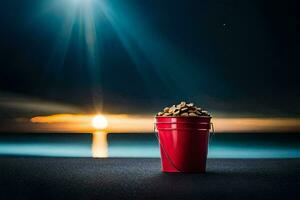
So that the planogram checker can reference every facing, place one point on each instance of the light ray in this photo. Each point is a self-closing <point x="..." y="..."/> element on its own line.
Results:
<point x="171" y="65"/>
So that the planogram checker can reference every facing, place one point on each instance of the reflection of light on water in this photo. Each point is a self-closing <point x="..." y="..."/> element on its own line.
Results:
<point x="99" y="144"/>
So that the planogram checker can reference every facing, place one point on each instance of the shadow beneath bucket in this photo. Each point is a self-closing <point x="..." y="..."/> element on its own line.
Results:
<point x="187" y="176"/>
<point x="191" y="174"/>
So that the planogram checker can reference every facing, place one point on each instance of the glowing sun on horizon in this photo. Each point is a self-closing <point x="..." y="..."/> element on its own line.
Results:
<point x="99" y="122"/>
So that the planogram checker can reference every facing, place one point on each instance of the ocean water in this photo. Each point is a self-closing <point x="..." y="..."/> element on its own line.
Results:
<point x="222" y="145"/>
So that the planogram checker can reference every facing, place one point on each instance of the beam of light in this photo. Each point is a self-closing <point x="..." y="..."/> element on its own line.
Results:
<point x="145" y="45"/>
<point x="88" y="25"/>
<point x="148" y="50"/>
<point x="135" y="54"/>
<point x="67" y="16"/>
<point x="46" y="15"/>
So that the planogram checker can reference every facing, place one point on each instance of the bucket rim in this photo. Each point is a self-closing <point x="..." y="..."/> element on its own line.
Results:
<point x="183" y="117"/>
<point x="182" y="122"/>
<point x="193" y="129"/>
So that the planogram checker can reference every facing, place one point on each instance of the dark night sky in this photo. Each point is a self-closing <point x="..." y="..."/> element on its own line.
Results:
<point x="233" y="57"/>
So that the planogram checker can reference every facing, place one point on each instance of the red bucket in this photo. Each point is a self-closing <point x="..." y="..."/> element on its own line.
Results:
<point x="183" y="143"/>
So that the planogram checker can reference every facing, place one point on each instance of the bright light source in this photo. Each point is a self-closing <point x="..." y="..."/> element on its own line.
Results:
<point x="99" y="122"/>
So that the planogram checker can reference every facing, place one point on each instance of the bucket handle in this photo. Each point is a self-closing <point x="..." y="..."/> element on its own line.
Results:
<point x="166" y="153"/>
<point x="213" y="130"/>
<point x="212" y="133"/>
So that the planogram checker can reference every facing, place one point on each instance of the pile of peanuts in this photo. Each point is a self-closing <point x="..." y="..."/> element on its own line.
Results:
<point x="184" y="110"/>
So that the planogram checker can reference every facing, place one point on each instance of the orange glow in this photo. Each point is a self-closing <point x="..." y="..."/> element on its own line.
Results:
<point x="257" y="125"/>
<point x="61" y="118"/>
<point x="85" y="123"/>
<point x="142" y="123"/>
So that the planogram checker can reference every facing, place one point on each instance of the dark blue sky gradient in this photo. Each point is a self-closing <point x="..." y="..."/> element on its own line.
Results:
<point x="232" y="57"/>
